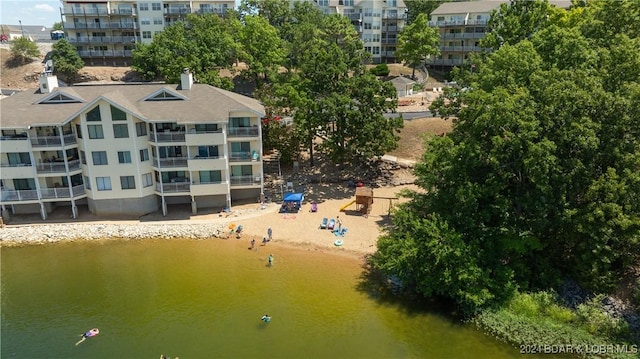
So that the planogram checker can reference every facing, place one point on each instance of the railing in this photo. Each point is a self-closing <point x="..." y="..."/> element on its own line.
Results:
<point x="393" y="15"/>
<point x="211" y="11"/>
<point x="103" y="39"/>
<point x="173" y="187"/>
<point x="84" y="11"/>
<point x="243" y="131"/>
<point x="198" y="157"/>
<point x="19" y="195"/>
<point x="460" y="48"/>
<point x="167" y="136"/>
<point x="389" y="41"/>
<point x="239" y="156"/>
<point x="100" y="25"/>
<point x="354" y="16"/>
<point x="48" y="141"/>
<point x="245" y="180"/>
<point x="390" y="29"/>
<point x="458" y="23"/>
<point x="18" y="137"/>
<point x="129" y="12"/>
<point x="15" y="164"/>
<point x="53" y="167"/>
<point x="177" y="10"/>
<point x="105" y="53"/>
<point x="170" y="162"/>
<point x="62" y="192"/>
<point x="464" y="35"/>
<point x="445" y="62"/>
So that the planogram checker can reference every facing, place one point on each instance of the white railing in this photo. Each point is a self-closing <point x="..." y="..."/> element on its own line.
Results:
<point x="45" y="193"/>
<point x="51" y="167"/>
<point x="48" y="141"/>
<point x="173" y="187"/>
<point x="167" y="136"/>
<point x="245" y="180"/>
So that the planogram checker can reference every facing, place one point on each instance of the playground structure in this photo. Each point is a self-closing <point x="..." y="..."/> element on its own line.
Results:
<point x="364" y="201"/>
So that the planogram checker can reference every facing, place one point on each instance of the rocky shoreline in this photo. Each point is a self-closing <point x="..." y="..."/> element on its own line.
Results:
<point x="52" y="233"/>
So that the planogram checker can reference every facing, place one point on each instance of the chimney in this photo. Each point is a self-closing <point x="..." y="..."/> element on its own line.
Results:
<point x="48" y="82"/>
<point x="186" y="79"/>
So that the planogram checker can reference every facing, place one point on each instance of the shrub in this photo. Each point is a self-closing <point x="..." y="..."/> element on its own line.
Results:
<point x="380" y="70"/>
<point x="23" y="50"/>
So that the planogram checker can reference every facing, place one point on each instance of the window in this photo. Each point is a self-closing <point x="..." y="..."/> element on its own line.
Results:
<point x="239" y="122"/>
<point x="367" y="26"/>
<point x="208" y="151"/>
<point x="94" y="114"/>
<point x="146" y="34"/>
<point x="144" y="6"/>
<point x="244" y="170"/>
<point x="124" y="157"/>
<point x="127" y="182"/>
<point x="24" y="184"/>
<point x="95" y="131"/>
<point x="155" y="6"/>
<point x="145" y="21"/>
<point x="348" y="3"/>
<point x="120" y="131"/>
<point x="157" y="21"/>
<point x="210" y="177"/>
<point x="206" y="127"/>
<point x="144" y="155"/>
<point x="117" y="114"/>
<point x="323" y="2"/>
<point x="99" y="158"/>
<point x="79" y="131"/>
<point x="141" y="129"/>
<point x="440" y="18"/>
<point x="19" y="158"/>
<point x="87" y="182"/>
<point x="103" y="183"/>
<point x="376" y="50"/>
<point x="98" y="34"/>
<point x="83" y="158"/>
<point x="147" y="180"/>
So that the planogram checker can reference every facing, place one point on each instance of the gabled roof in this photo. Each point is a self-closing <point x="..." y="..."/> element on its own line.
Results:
<point x="201" y="104"/>
<point x="401" y="80"/>
<point x="457" y="8"/>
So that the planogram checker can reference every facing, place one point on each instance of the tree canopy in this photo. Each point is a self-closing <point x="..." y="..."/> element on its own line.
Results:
<point x="66" y="60"/>
<point x="418" y="41"/>
<point x="23" y="50"/>
<point x="540" y="179"/>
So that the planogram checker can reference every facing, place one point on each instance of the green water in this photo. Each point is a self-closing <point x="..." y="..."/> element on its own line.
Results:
<point x="204" y="299"/>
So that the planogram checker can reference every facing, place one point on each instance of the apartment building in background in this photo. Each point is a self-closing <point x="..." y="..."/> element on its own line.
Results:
<point x="106" y="31"/>
<point x="128" y="149"/>
<point x="463" y="25"/>
<point x="378" y="23"/>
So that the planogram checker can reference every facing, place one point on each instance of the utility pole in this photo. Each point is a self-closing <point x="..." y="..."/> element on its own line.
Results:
<point x="21" y="29"/>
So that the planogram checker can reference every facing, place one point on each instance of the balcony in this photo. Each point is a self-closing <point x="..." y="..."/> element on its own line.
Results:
<point x="204" y="138"/>
<point x="103" y="40"/>
<point x="243" y="131"/>
<point x="123" y="12"/>
<point x="52" y="141"/>
<point x="58" y="167"/>
<point x="391" y="41"/>
<point x="216" y="11"/>
<point x="177" y="10"/>
<point x="463" y="35"/>
<point x="460" y="48"/>
<point x="209" y="188"/>
<point x="390" y="29"/>
<point x="170" y="162"/>
<point x="209" y="163"/>
<point x="394" y="16"/>
<point x="62" y="192"/>
<point x="253" y="180"/>
<point x="16" y="137"/>
<point x="178" y="136"/>
<point x="243" y="156"/>
<point x="173" y="187"/>
<point x="445" y="62"/>
<point x="104" y="53"/>
<point x="90" y="11"/>
<point x="354" y="16"/>
<point x="19" y="195"/>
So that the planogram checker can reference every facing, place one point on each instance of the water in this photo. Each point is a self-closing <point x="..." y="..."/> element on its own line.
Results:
<point x="204" y="299"/>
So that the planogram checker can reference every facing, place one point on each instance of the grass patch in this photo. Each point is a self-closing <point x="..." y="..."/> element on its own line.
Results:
<point x="536" y="319"/>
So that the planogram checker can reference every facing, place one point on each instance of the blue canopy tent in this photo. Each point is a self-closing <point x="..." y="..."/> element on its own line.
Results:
<point x="292" y="203"/>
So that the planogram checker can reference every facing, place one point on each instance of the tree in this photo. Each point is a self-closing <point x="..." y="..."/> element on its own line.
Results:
<point x="23" y="50"/>
<point x="539" y="180"/>
<point x="417" y="41"/>
<point x="516" y="21"/>
<point x="66" y="60"/>
<point x="57" y="26"/>
<point x="261" y="48"/>
<point x="203" y="44"/>
<point x="417" y="7"/>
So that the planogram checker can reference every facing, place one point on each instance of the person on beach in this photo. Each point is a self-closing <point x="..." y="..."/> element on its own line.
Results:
<point x="253" y="244"/>
<point x="339" y="224"/>
<point x="264" y="241"/>
<point x="270" y="260"/>
<point x="91" y="333"/>
<point x="269" y="233"/>
<point x="266" y="318"/>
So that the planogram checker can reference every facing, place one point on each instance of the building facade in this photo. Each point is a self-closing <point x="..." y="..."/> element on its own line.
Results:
<point x="128" y="149"/>
<point x="106" y="31"/>
<point x="377" y="21"/>
<point x="463" y="25"/>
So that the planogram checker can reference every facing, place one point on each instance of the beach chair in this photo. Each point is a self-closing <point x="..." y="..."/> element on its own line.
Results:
<point x="323" y="225"/>
<point x="314" y="207"/>
<point x="331" y="224"/>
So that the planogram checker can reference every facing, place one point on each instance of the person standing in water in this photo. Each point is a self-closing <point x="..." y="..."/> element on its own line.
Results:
<point x="266" y="318"/>
<point x="270" y="260"/>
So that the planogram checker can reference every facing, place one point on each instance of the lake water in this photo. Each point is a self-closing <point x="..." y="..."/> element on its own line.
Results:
<point x="204" y="299"/>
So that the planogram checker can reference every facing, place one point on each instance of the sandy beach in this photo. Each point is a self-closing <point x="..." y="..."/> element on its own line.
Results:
<point x="301" y="229"/>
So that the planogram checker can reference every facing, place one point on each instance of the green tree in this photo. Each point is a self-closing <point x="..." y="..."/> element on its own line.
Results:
<point x="418" y="41"/>
<point x="261" y="48"/>
<point x="539" y="180"/>
<point x="66" y="60"/>
<point x="203" y="44"/>
<point x="518" y="20"/>
<point x="57" y="26"/>
<point x="417" y="7"/>
<point x="23" y="50"/>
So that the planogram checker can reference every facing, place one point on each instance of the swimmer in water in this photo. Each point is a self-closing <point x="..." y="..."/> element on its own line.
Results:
<point x="91" y="333"/>
<point x="266" y="318"/>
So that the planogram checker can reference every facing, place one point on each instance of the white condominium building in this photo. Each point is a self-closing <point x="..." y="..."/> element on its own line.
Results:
<point x="128" y="149"/>
<point x="105" y="31"/>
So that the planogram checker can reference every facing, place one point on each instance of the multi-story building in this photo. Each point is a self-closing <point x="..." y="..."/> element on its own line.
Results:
<point x="128" y="149"/>
<point x="105" y="31"/>
<point x="377" y="21"/>
<point x="462" y="25"/>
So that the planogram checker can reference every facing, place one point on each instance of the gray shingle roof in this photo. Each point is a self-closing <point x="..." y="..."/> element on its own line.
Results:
<point x="483" y="6"/>
<point x="203" y="103"/>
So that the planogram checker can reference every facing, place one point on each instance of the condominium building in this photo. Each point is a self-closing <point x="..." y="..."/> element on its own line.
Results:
<point x="377" y="21"/>
<point x="463" y="25"/>
<point x="128" y="149"/>
<point x="106" y="31"/>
